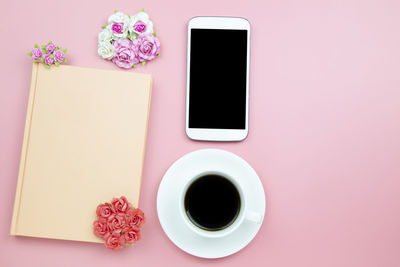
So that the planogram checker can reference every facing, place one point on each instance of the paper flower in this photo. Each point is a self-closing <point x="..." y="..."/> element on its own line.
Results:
<point x="104" y="210"/>
<point x="48" y="54"/>
<point x="135" y="218"/>
<point x="128" y="40"/>
<point x="36" y="53"/>
<point x="119" y="23"/>
<point x="118" y="223"/>
<point x="59" y="56"/>
<point x="50" y="47"/>
<point x="105" y="35"/>
<point x="140" y="23"/>
<point x="125" y="53"/>
<point x="48" y="59"/>
<point x="148" y="47"/>
<point x="106" y="50"/>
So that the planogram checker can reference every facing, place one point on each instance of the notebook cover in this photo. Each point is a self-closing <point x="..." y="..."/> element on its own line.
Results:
<point x="84" y="143"/>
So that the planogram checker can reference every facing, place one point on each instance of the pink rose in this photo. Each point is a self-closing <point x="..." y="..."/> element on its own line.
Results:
<point x="135" y="218"/>
<point x="120" y="205"/>
<point x="100" y="227"/>
<point x="112" y="223"/>
<point x="116" y="222"/>
<point x="50" y="48"/>
<point x="131" y="235"/>
<point x="48" y="60"/>
<point x="148" y="47"/>
<point x="125" y="53"/>
<point x="117" y="27"/>
<point x="114" y="240"/>
<point x="103" y="210"/>
<point x="139" y="27"/>
<point x="59" y="55"/>
<point x="37" y="53"/>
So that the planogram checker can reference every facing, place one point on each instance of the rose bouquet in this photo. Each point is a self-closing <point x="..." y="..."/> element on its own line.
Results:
<point x="48" y="54"/>
<point x="128" y="40"/>
<point x="118" y="223"/>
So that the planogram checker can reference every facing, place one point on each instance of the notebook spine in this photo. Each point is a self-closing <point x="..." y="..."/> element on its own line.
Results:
<point x="145" y="134"/>
<point x="24" y="151"/>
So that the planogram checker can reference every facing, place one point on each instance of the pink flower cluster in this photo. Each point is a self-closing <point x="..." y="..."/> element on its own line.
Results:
<point x="48" y="54"/>
<point x="128" y="53"/>
<point x="118" y="223"/>
<point x="128" y="40"/>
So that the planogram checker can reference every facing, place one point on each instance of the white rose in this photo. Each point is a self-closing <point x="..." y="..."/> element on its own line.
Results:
<point x="105" y="35"/>
<point x="106" y="50"/>
<point x="140" y="23"/>
<point x="119" y="17"/>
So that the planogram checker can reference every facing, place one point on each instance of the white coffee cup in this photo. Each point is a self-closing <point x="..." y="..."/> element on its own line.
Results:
<point x="244" y="213"/>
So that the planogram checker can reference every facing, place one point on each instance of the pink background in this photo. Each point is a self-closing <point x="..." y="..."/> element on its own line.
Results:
<point x="324" y="126"/>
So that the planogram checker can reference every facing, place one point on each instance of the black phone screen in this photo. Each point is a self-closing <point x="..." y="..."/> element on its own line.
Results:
<point x="217" y="80"/>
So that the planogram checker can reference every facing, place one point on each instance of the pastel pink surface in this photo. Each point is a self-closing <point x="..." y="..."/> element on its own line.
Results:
<point x="324" y="126"/>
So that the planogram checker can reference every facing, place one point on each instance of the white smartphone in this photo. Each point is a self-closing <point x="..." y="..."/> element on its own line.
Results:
<point x="217" y="87"/>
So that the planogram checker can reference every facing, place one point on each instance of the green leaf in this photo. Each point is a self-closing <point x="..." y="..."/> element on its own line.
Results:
<point x="50" y="42"/>
<point x="57" y="63"/>
<point x="142" y="9"/>
<point x="143" y="63"/>
<point x="64" y="50"/>
<point x="154" y="34"/>
<point x="30" y="54"/>
<point x="64" y="60"/>
<point x="133" y="66"/>
<point x="41" y="60"/>
<point x="115" y="11"/>
<point x="47" y="66"/>
<point x="158" y="55"/>
<point x="51" y="56"/>
<point x="43" y="46"/>
<point x="36" y="46"/>
<point x="103" y="27"/>
<point x="129" y="16"/>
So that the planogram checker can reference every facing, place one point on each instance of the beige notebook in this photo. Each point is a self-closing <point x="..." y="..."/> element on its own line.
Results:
<point x="84" y="143"/>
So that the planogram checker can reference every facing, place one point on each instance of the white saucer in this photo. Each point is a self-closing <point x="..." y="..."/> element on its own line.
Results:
<point x="175" y="179"/>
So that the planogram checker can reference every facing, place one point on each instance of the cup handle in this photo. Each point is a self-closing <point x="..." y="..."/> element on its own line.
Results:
<point x="254" y="217"/>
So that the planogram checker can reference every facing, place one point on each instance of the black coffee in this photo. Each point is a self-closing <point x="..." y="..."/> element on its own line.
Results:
<point x="212" y="202"/>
